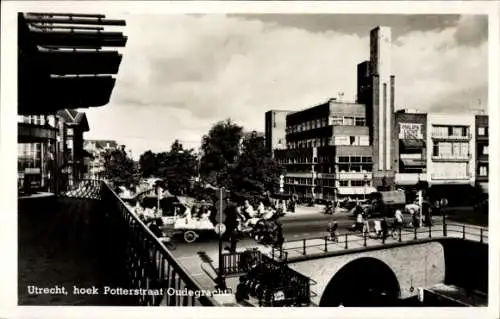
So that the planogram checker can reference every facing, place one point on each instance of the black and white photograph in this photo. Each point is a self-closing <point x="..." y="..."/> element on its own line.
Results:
<point x="252" y="159"/>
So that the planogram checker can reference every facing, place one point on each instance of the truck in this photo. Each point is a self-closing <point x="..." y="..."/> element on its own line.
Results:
<point x="384" y="203"/>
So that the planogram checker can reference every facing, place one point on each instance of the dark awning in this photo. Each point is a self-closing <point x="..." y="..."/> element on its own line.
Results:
<point x="412" y="143"/>
<point x="413" y="162"/>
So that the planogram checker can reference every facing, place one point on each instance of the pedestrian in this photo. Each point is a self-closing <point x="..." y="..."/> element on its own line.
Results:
<point x="385" y="228"/>
<point x="231" y="223"/>
<point x="398" y="219"/>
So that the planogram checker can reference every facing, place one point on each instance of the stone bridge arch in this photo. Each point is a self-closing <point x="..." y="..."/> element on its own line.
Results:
<point x="362" y="282"/>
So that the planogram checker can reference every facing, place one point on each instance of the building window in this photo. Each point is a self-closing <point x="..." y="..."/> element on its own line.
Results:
<point x="481" y="131"/>
<point x="349" y="121"/>
<point x="343" y="183"/>
<point x="357" y="183"/>
<point x="360" y="121"/>
<point x="343" y="159"/>
<point x="336" y="120"/>
<point x="485" y="150"/>
<point x="435" y="149"/>
<point x="483" y="170"/>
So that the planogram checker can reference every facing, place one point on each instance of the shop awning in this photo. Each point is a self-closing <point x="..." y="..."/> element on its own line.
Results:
<point x="409" y="162"/>
<point x="412" y="144"/>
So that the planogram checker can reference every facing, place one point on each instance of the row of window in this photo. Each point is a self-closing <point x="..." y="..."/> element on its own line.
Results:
<point x="362" y="140"/>
<point x="450" y="149"/>
<point x="450" y="131"/>
<point x="322" y="122"/>
<point x="325" y="159"/>
<point x="328" y="182"/>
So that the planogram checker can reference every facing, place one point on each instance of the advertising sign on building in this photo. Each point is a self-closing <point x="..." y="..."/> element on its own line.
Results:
<point x="410" y="131"/>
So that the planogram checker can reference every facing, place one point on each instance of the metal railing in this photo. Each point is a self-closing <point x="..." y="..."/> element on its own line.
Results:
<point x="149" y="264"/>
<point x="352" y="240"/>
<point x="81" y="188"/>
<point x="267" y="277"/>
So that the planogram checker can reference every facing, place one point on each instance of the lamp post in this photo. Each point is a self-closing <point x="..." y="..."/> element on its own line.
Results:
<point x="221" y="283"/>
<point x="365" y="178"/>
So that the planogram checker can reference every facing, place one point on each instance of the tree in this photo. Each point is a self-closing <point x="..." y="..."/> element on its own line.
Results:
<point x="177" y="167"/>
<point x="220" y="150"/>
<point x="147" y="163"/>
<point x="255" y="171"/>
<point x="120" y="169"/>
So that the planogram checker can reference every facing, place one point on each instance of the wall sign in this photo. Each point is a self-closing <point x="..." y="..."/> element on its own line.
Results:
<point x="410" y="131"/>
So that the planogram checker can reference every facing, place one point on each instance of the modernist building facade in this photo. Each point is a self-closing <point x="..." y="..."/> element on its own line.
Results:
<point x="328" y="153"/>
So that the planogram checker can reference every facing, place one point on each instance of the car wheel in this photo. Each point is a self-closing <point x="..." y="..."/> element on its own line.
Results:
<point x="190" y="236"/>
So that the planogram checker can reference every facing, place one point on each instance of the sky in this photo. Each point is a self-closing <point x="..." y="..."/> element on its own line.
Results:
<point x="182" y="73"/>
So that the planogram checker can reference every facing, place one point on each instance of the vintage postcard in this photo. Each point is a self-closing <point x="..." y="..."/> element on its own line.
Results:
<point x="323" y="156"/>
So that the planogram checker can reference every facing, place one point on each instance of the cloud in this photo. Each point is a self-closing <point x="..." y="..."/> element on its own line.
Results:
<point x="181" y="73"/>
<point x="471" y="30"/>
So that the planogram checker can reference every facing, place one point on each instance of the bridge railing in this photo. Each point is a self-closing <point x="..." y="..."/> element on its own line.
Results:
<point x="352" y="240"/>
<point x="149" y="264"/>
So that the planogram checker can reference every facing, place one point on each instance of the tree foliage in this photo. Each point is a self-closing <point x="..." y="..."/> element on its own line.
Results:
<point x="147" y="162"/>
<point x="220" y="149"/>
<point x="255" y="170"/>
<point x="119" y="168"/>
<point x="177" y="167"/>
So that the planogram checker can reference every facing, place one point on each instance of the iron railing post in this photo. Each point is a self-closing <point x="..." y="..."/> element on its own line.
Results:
<point x="364" y="239"/>
<point x="400" y="231"/>
<point x="345" y="238"/>
<point x="481" y="235"/>
<point x="326" y="244"/>
<point x="304" y="246"/>
<point x="463" y="231"/>
<point x="430" y="230"/>
<point x="445" y="230"/>
<point x="415" y="233"/>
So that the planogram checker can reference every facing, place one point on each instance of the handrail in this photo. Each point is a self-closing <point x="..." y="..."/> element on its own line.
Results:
<point x="346" y="240"/>
<point x="150" y="247"/>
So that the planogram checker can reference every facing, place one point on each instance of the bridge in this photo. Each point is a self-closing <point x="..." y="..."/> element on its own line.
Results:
<point x="87" y="235"/>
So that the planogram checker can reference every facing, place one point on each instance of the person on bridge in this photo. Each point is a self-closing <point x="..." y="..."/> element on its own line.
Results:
<point x="398" y="219"/>
<point x="231" y="223"/>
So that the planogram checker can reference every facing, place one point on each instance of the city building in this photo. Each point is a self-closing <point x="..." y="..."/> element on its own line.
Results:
<point x="339" y="150"/>
<point x="50" y="145"/>
<point x="275" y="124"/>
<point x="410" y="144"/>
<point x="65" y="61"/>
<point x="97" y="149"/>
<point x="328" y="154"/>
<point x="482" y="144"/>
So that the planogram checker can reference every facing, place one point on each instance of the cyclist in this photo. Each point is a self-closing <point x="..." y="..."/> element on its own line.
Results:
<point x="332" y="230"/>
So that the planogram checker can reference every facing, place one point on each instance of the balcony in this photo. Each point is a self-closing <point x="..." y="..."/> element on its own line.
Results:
<point x="451" y="158"/>
<point x="355" y="175"/>
<point x="409" y="178"/>
<point x="299" y="174"/>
